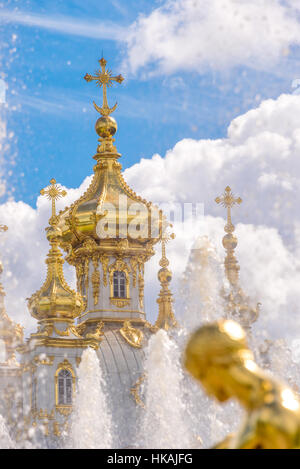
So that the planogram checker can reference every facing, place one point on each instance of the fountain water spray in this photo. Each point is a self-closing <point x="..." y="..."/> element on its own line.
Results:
<point x="5" y="440"/>
<point x="201" y="285"/>
<point x="163" y="423"/>
<point x="91" y="426"/>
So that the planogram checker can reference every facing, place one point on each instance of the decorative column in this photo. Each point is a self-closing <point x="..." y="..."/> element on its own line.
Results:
<point x="166" y="318"/>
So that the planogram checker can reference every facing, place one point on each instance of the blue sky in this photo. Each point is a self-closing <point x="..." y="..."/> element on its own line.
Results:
<point x="49" y="105"/>
<point x="190" y="68"/>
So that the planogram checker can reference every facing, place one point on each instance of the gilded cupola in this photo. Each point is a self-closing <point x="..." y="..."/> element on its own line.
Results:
<point x="55" y="299"/>
<point x="109" y="215"/>
<point x="109" y="233"/>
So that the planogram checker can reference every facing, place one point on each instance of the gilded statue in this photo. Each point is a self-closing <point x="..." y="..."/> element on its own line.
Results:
<point x="218" y="356"/>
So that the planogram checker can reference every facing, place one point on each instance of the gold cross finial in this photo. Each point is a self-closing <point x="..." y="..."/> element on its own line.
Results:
<point x="3" y="228"/>
<point x="228" y="200"/>
<point x="104" y="78"/>
<point x="53" y="193"/>
<point x="166" y="236"/>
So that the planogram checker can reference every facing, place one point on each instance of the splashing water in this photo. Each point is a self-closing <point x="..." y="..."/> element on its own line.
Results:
<point x="202" y="280"/>
<point x="163" y="424"/>
<point x="5" y="440"/>
<point x="91" y="426"/>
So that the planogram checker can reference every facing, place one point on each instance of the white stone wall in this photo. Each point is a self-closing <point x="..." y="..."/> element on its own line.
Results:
<point x="46" y="387"/>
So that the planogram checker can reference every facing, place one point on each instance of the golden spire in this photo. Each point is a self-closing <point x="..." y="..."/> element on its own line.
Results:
<point x="229" y="241"/>
<point x="237" y="303"/>
<point x="104" y="78"/>
<point x="166" y="318"/>
<point x="55" y="299"/>
<point x="106" y="126"/>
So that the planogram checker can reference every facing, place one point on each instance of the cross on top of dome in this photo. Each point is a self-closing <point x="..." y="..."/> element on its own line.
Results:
<point x="104" y="78"/>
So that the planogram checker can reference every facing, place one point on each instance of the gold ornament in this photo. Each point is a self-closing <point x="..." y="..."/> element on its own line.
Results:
<point x="104" y="261"/>
<point x="43" y="360"/>
<point x="133" y="264"/>
<point x="96" y="285"/>
<point x="135" y="391"/>
<point x="229" y="241"/>
<point x="166" y="318"/>
<point x="218" y="356"/>
<point x="53" y="193"/>
<point x="105" y="79"/>
<point x="120" y="302"/>
<point x="133" y="337"/>
<point x="55" y="299"/>
<point x="98" y="332"/>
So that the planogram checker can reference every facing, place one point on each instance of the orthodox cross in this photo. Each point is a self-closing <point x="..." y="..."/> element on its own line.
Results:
<point x="104" y="78"/>
<point x="53" y="193"/>
<point x="228" y="200"/>
<point x="166" y="236"/>
<point x="3" y="228"/>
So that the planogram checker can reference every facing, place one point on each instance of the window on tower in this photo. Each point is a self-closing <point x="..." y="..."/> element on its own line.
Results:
<point x="119" y="283"/>
<point x="65" y="382"/>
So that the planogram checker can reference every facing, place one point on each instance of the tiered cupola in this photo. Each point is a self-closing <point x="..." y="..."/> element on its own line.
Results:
<point x="55" y="305"/>
<point x="110" y="232"/>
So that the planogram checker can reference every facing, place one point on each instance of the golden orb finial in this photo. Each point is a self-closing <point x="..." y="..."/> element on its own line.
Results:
<point x="106" y="126"/>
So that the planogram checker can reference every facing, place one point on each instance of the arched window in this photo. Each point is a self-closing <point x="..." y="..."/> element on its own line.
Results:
<point x="119" y="284"/>
<point x="65" y="383"/>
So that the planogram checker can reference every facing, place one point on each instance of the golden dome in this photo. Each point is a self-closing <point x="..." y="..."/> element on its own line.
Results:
<point x="109" y="214"/>
<point x="110" y="211"/>
<point x="55" y="299"/>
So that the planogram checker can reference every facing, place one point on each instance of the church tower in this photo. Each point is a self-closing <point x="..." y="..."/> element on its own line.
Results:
<point x="110" y="231"/>
<point x="51" y="355"/>
<point x="108" y="235"/>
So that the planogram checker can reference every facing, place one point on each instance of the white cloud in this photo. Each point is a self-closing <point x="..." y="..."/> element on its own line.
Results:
<point x="23" y="251"/>
<point x="213" y="34"/>
<point x="259" y="159"/>
<point x="260" y="152"/>
<point x="66" y="25"/>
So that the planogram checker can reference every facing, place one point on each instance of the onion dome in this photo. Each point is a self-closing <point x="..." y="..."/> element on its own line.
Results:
<point x="109" y="210"/>
<point x="55" y="299"/>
